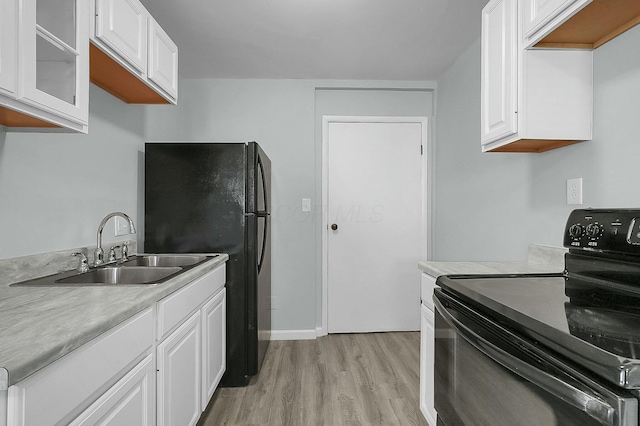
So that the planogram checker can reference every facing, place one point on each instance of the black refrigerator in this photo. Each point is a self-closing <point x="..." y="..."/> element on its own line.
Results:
<point x="215" y="197"/>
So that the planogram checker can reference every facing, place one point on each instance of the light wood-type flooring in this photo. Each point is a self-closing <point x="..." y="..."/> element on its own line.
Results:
<point x="340" y="379"/>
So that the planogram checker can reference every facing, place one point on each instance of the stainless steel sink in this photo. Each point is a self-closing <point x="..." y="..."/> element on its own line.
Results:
<point x="144" y="269"/>
<point x="162" y="260"/>
<point x="120" y="275"/>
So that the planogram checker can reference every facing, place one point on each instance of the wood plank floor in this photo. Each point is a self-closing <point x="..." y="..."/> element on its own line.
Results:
<point x="340" y="379"/>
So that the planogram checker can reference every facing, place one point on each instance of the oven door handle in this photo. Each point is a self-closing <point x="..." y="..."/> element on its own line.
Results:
<point x="593" y="405"/>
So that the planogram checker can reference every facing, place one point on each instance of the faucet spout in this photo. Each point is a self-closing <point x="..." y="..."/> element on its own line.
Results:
<point x="98" y="258"/>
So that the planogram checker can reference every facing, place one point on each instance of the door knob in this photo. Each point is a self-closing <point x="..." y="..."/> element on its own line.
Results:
<point x="334" y="227"/>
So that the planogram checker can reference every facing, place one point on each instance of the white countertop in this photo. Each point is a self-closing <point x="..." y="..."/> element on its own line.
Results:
<point x="541" y="259"/>
<point x="39" y="325"/>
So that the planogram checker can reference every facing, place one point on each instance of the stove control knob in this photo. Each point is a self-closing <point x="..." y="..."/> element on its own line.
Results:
<point x="593" y="230"/>
<point x="575" y="231"/>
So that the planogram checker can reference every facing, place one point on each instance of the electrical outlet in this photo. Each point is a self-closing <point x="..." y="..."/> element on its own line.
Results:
<point x="122" y="226"/>
<point x="574" y="191"/>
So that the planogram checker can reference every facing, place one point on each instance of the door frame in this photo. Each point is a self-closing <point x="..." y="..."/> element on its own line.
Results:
<point x="425" y="194"/>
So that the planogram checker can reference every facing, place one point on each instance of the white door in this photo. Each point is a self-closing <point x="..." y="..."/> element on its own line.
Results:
<point x="374" y="202"/>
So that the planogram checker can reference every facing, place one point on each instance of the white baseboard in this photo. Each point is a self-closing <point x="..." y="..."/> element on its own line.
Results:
<point x="293" y="334"/>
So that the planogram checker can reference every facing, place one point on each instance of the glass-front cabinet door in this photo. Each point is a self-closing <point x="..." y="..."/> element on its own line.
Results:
<point x="8" y="49"/>
<point x="54" y="60"/>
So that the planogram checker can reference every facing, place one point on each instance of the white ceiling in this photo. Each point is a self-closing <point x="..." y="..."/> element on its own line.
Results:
<point x="318" y="39"/>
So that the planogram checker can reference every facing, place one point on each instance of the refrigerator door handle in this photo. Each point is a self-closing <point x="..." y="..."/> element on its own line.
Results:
<point x="264" y="185"/>
<point x="264" y="239"/>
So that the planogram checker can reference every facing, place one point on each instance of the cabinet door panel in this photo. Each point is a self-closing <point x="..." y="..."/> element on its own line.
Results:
<point x="499" y="71"/>
<point x="122" y="25"/>
<point x="54" y="57"/>
<point x="427" y="335"/>
<point x="179" y="375"/>
<point x="163" y="60"/>
<point x="128" y="402"/>
<point x="8" y="46"/>
<point x="213" y="345"/>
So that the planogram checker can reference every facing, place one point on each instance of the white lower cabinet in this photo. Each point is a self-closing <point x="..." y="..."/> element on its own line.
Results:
<point x="179" y="375"/>
<point x="214" y="348"/>
<point x="160" y="367"/>
<point x="427" y="390"/>
<point x="129" y="402"/>
<point x="191" y="350"/>
<point x="63" y="390"/>
<point x="427" y="346"/>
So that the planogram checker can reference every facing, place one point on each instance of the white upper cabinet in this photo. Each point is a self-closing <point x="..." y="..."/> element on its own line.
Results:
<point x="8" y="46"/>
<point x="131" y="56"/>
<point x="163" y="59"/>
<point x="539" y="17"/>
<point x="122" y="25"/>
<point x="53" y="57"/>
<point x="499" y="67"/>
<point x="44" y="64"/>
<point x="532" y="100"/>
<point x="583" y="24"/>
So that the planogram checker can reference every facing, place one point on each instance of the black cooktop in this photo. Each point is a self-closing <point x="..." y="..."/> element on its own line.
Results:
<point x="599" y="335"/>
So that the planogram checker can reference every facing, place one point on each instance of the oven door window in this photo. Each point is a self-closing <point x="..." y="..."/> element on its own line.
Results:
<point x="487" y="376"/>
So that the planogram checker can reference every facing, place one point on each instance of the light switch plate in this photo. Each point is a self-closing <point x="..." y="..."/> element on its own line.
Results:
<point x="122" y="226"/>
<point x="306" y="204"/>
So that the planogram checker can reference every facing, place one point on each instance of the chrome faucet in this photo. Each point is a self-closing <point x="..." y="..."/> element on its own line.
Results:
<point x="98" y="254"/>
<point x="84" y="263"/>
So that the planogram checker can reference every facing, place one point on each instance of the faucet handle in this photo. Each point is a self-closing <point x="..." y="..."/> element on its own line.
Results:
<point x="125" y="252"/>
<point x="112" y="253"/>
<point x="84" y="262"/>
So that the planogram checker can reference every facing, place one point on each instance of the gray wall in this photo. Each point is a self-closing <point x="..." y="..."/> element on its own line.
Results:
<point x="491" y="206"/>
<point x="284" y="116"/>
<point x="56" y="188"/>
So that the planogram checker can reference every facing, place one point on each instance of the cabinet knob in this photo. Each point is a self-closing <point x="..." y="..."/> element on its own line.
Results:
<point x="334" y="227"/>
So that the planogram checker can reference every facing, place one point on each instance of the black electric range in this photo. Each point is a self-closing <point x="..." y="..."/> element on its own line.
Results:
<point x="584" y="322"/>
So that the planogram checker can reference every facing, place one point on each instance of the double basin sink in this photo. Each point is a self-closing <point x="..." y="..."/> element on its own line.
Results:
<point x="148" y="269"/>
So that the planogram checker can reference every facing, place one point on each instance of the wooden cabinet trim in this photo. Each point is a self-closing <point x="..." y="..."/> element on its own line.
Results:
<point x="533" y="145"/>
<point x="11" y="118"/>
<point x="112" y="77"/>
<point x="594" y="25"/>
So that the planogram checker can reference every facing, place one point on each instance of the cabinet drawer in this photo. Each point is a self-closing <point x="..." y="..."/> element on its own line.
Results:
<point x="61" y="391"/>
<point x="173" y="309"/>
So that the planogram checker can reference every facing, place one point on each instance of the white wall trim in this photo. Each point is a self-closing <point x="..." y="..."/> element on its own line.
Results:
<point x="426" y="190"/>
<point x="293" y="334"/>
